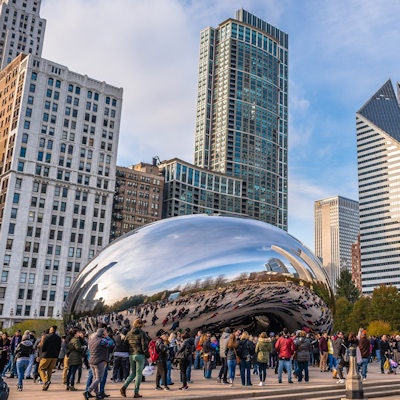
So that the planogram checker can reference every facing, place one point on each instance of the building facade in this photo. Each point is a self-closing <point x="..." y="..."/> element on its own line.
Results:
<point x="378" y="154"/>
<point x="336" y="228"/>
<point x="138" y="198"/>
<point x="59" y="137"/>
<point x="242" y="111"/>
<point x="194" y="190"/>
<point x="22" y="29"/>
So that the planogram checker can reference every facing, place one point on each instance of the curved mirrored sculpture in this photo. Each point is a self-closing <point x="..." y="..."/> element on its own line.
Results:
<point x="207" y="272"/>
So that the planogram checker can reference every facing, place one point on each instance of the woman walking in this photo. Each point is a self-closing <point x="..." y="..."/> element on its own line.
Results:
<point x="263" y="350"/>
<point x="231" y="357"/>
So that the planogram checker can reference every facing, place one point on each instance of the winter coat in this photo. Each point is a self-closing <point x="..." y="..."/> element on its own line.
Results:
<point x="51" y="346"/>
<point x="223" y="341"/>
<point x="137" y="341"/>
<point x="24" y="350"/>
<point x="263" y="350"/>
<point x="285" y="347"/>
<point x="75" y="351"/>
<point x="303" y="349"/>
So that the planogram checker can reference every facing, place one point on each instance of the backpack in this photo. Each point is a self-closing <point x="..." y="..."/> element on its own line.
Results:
<point x="153" y="350"/>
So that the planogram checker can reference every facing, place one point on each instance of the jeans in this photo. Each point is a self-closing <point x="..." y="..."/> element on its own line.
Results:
<point x="98" y="374"/>
<point x="169" y="368"/>
<point x="28" y="371"/>
<point x="21" y="365"/>
<point x="71" y="374"/>
<point x="90" y="380"/>
<point x="231" y="370"/>
<point x="245" y="372"/>
<point x="363" y="365"/>
<point x="302" y="366"/>
<point x="121" y="368"/>
<point x="137" y="364"/>
<point x="287" y="364"/>
<point x="198" y="360"/>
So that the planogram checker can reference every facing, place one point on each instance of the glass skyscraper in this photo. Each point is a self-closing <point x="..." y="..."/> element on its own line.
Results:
<point x="242" y="111"/>
<point x="378" y="154"/>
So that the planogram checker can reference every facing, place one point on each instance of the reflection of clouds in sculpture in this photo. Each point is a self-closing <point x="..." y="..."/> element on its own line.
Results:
<point x="175" y="252"/>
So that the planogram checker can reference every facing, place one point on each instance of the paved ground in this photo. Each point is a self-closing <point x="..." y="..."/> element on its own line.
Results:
<point x="201" y="388"/>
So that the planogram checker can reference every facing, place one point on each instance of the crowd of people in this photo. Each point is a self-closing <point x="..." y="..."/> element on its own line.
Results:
<point x="128" y="354"/>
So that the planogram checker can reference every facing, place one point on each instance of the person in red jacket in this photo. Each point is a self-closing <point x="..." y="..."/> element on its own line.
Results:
<point x="285" y="348"/>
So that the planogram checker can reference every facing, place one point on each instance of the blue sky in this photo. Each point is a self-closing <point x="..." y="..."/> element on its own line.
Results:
<point x="340" y="53"/>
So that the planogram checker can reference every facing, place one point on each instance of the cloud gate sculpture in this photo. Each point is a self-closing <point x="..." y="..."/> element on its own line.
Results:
<point x="207" y="272"/>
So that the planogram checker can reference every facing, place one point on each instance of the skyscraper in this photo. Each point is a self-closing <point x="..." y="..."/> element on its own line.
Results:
<point x="336" y="229"/>
<point x="22" y="29"/>
<point x="378" y="155"/>
<point x="58" y="144"/>
<point x="242" y="111"/>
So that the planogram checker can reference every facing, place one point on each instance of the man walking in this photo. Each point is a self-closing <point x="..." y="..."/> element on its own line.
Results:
<point x="50" y="351"/>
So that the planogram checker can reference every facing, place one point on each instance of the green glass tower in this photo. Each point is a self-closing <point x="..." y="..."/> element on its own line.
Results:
<point x="242" y="111"/>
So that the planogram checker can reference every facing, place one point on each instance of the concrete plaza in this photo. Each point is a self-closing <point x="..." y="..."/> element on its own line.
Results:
<point x="321" y="386"/>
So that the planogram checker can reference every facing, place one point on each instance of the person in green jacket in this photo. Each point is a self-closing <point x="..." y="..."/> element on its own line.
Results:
<point x="75" y="353"/>
<point x="263" y="349"/>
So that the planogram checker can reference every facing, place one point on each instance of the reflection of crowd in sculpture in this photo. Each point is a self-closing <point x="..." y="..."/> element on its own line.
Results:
<point x="214" y="309"/>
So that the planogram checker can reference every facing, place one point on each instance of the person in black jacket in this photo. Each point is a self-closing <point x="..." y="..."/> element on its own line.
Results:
<point x="385" y="353"/>
<point x="22" y="355"/>
<point x="50" y="351"/>
<point x="184" y="355"/>
<point x="162" y="350"/>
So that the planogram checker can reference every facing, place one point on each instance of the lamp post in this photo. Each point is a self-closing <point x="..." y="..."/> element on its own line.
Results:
<point x="354" y="386"/>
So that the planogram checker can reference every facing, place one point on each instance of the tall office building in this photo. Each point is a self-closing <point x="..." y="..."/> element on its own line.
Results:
<point x="242" y="111"/>
<point x="59" y="137"/>
<point x="378" y="154"/>
<point x="138" y="197"/>
<point x="336" y="229"/>
<point x="22" y="29"/>
<point x="194" y="190"/>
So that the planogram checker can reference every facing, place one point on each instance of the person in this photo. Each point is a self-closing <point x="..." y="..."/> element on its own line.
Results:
<point x="231" y="357"/>
<point x="162" y="350"/>
<point x="4" y="349"/>
<point x="336" y="344"/>
<point x="285" y="349"/>
<point x="208" y="353"/>
<point x="50" y="351"/>
<point x="32" y="338"/>
<point x="384" y="348"/>
<point x="365" y="351"/>
<point x="15" y="340"/>
<point x="198" y="359"/>
<point x="263" y="351"/>
<point x="98" y="344"/>
<point x="223" y="341"/>
<point x="171" y="356"/>
<point x="323" y="352"/>
<point x="75" y="353"/>
<point x="121" y="358"/>
<point x="303" y="349"/>
<point x="343" y="358"/>
<point x="184" y="355"/>
<point x="22" y="356"/>
<point x="138" y="350"/>
<point x="245" y="350"/>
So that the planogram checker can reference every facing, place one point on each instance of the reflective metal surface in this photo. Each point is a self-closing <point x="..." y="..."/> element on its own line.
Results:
<point x="225" y="270"/>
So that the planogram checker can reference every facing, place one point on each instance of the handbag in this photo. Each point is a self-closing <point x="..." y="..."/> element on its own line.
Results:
<point x="148" y="370"/>
<point x="386" y="365"/>
<point x="237" y="357"/>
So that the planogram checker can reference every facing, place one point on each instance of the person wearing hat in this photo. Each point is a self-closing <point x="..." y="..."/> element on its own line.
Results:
<point x="138" y="350"/>
<point x="223" y="341"/>
<point x="162" y="350"/>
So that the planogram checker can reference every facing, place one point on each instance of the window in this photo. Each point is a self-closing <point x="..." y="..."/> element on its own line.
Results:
<point x="4" y="276"/>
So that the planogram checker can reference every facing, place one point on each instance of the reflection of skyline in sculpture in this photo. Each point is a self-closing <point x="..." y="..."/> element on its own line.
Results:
<point x="172" y="253"/>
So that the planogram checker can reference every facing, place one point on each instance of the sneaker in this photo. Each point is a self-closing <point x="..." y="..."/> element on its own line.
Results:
<point x="364" y="379"/>
<point x="166" y="388"/>
<point x="158" y="388"/>
<point x="218" y="380"/>
<point x="19" y="388"/>
<point x="340" y="381"/>
<point x="260" y="384"/>
<point x="123" y="391"/>
<point x="184" y="388"/>
<point x="137" y="395"/>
